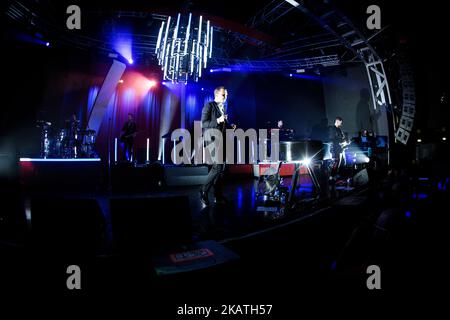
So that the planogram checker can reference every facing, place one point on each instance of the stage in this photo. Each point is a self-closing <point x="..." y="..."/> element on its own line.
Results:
<point x="244" y="213"/>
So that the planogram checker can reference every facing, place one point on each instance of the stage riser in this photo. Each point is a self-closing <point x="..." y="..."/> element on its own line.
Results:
<point x="61" y="176"/>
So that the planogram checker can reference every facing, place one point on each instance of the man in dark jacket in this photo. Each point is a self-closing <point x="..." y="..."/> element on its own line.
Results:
<point x="128" y="133"/>
<point x="214" y="116"/>
<point x="337" y="139"/>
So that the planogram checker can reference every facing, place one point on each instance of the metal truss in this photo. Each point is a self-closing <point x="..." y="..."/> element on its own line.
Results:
<point x="270" y="13"/>
<point x="274" y="65"/>
<point x="408" y="97"/>
<point x="336" y="23"/>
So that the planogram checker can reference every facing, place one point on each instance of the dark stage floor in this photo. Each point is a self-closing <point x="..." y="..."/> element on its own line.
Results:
<point x="238" y="217"/>
<point x="320" y="249"/>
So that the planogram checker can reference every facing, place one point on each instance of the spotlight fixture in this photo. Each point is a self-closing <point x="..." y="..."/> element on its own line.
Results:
<point x="306" y="162"/>
<point x="152" y="83"/>
<point x="183" y="47"/>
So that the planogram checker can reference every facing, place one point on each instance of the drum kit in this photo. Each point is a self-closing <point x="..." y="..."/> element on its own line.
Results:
<point x="68" y="142"/>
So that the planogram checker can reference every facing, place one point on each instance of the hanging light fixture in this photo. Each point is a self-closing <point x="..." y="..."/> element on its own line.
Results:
<point x="184" y="47"/>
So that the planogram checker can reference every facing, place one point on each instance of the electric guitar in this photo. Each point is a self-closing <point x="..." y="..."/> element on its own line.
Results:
<point x="345" y="144"/>
<point x="124" y="136"/>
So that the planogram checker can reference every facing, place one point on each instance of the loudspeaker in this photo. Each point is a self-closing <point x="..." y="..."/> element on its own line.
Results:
<point x="185" y="175"/>
<point x="150" y="224"/>
<point x="361" y="178"/>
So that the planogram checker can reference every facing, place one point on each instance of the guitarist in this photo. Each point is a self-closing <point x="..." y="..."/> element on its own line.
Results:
<point x="129" y="132"/>
<point x="338" y="143"/>
<point x="214" y="116"/>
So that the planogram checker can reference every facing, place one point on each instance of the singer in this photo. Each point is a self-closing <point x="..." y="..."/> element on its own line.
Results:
<point x="214" y="116"/>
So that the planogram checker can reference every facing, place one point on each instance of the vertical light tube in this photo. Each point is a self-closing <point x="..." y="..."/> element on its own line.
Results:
<point x="177" y="63"/>
<point x="174" y="145"/>
<point x="165" y="62"/>
<point x="147" y="158"/>
<point x="188" y="30"/>
<point x="164" y="44"/>
<point x="163" y="151"/>
<point x="205" y="45"/>
<point x="199" y="64"/>
<point x="210" y="42"/>
<point x="175" y="35"/>
<point x="207" y="34"/>
<point x="158" y="42"/>
<point x="192" y="57"/>
<point x="253" y="152"/>
<point x="115" y="150"/>
<point x="199" y="35"/>
<point x="239" y="151"/>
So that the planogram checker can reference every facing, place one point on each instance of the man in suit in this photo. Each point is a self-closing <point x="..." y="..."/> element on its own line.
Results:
<point x="214" y="116"/>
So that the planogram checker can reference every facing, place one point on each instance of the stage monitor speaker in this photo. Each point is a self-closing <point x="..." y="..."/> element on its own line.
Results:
<point x="185" y="175"/>
<point x="361" y="178"/>
<point x="152" y="224"/>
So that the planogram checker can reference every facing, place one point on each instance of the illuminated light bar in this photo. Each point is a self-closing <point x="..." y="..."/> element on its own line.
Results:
<point x="59" y="160"/>
<point x="158" y="42"/>
<point x="115" y="150"/>
<point x="147" y="158"/>
<point x="210" y="42"/>
<point x="188" y="33"/>
<point x="293" y="2"/>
